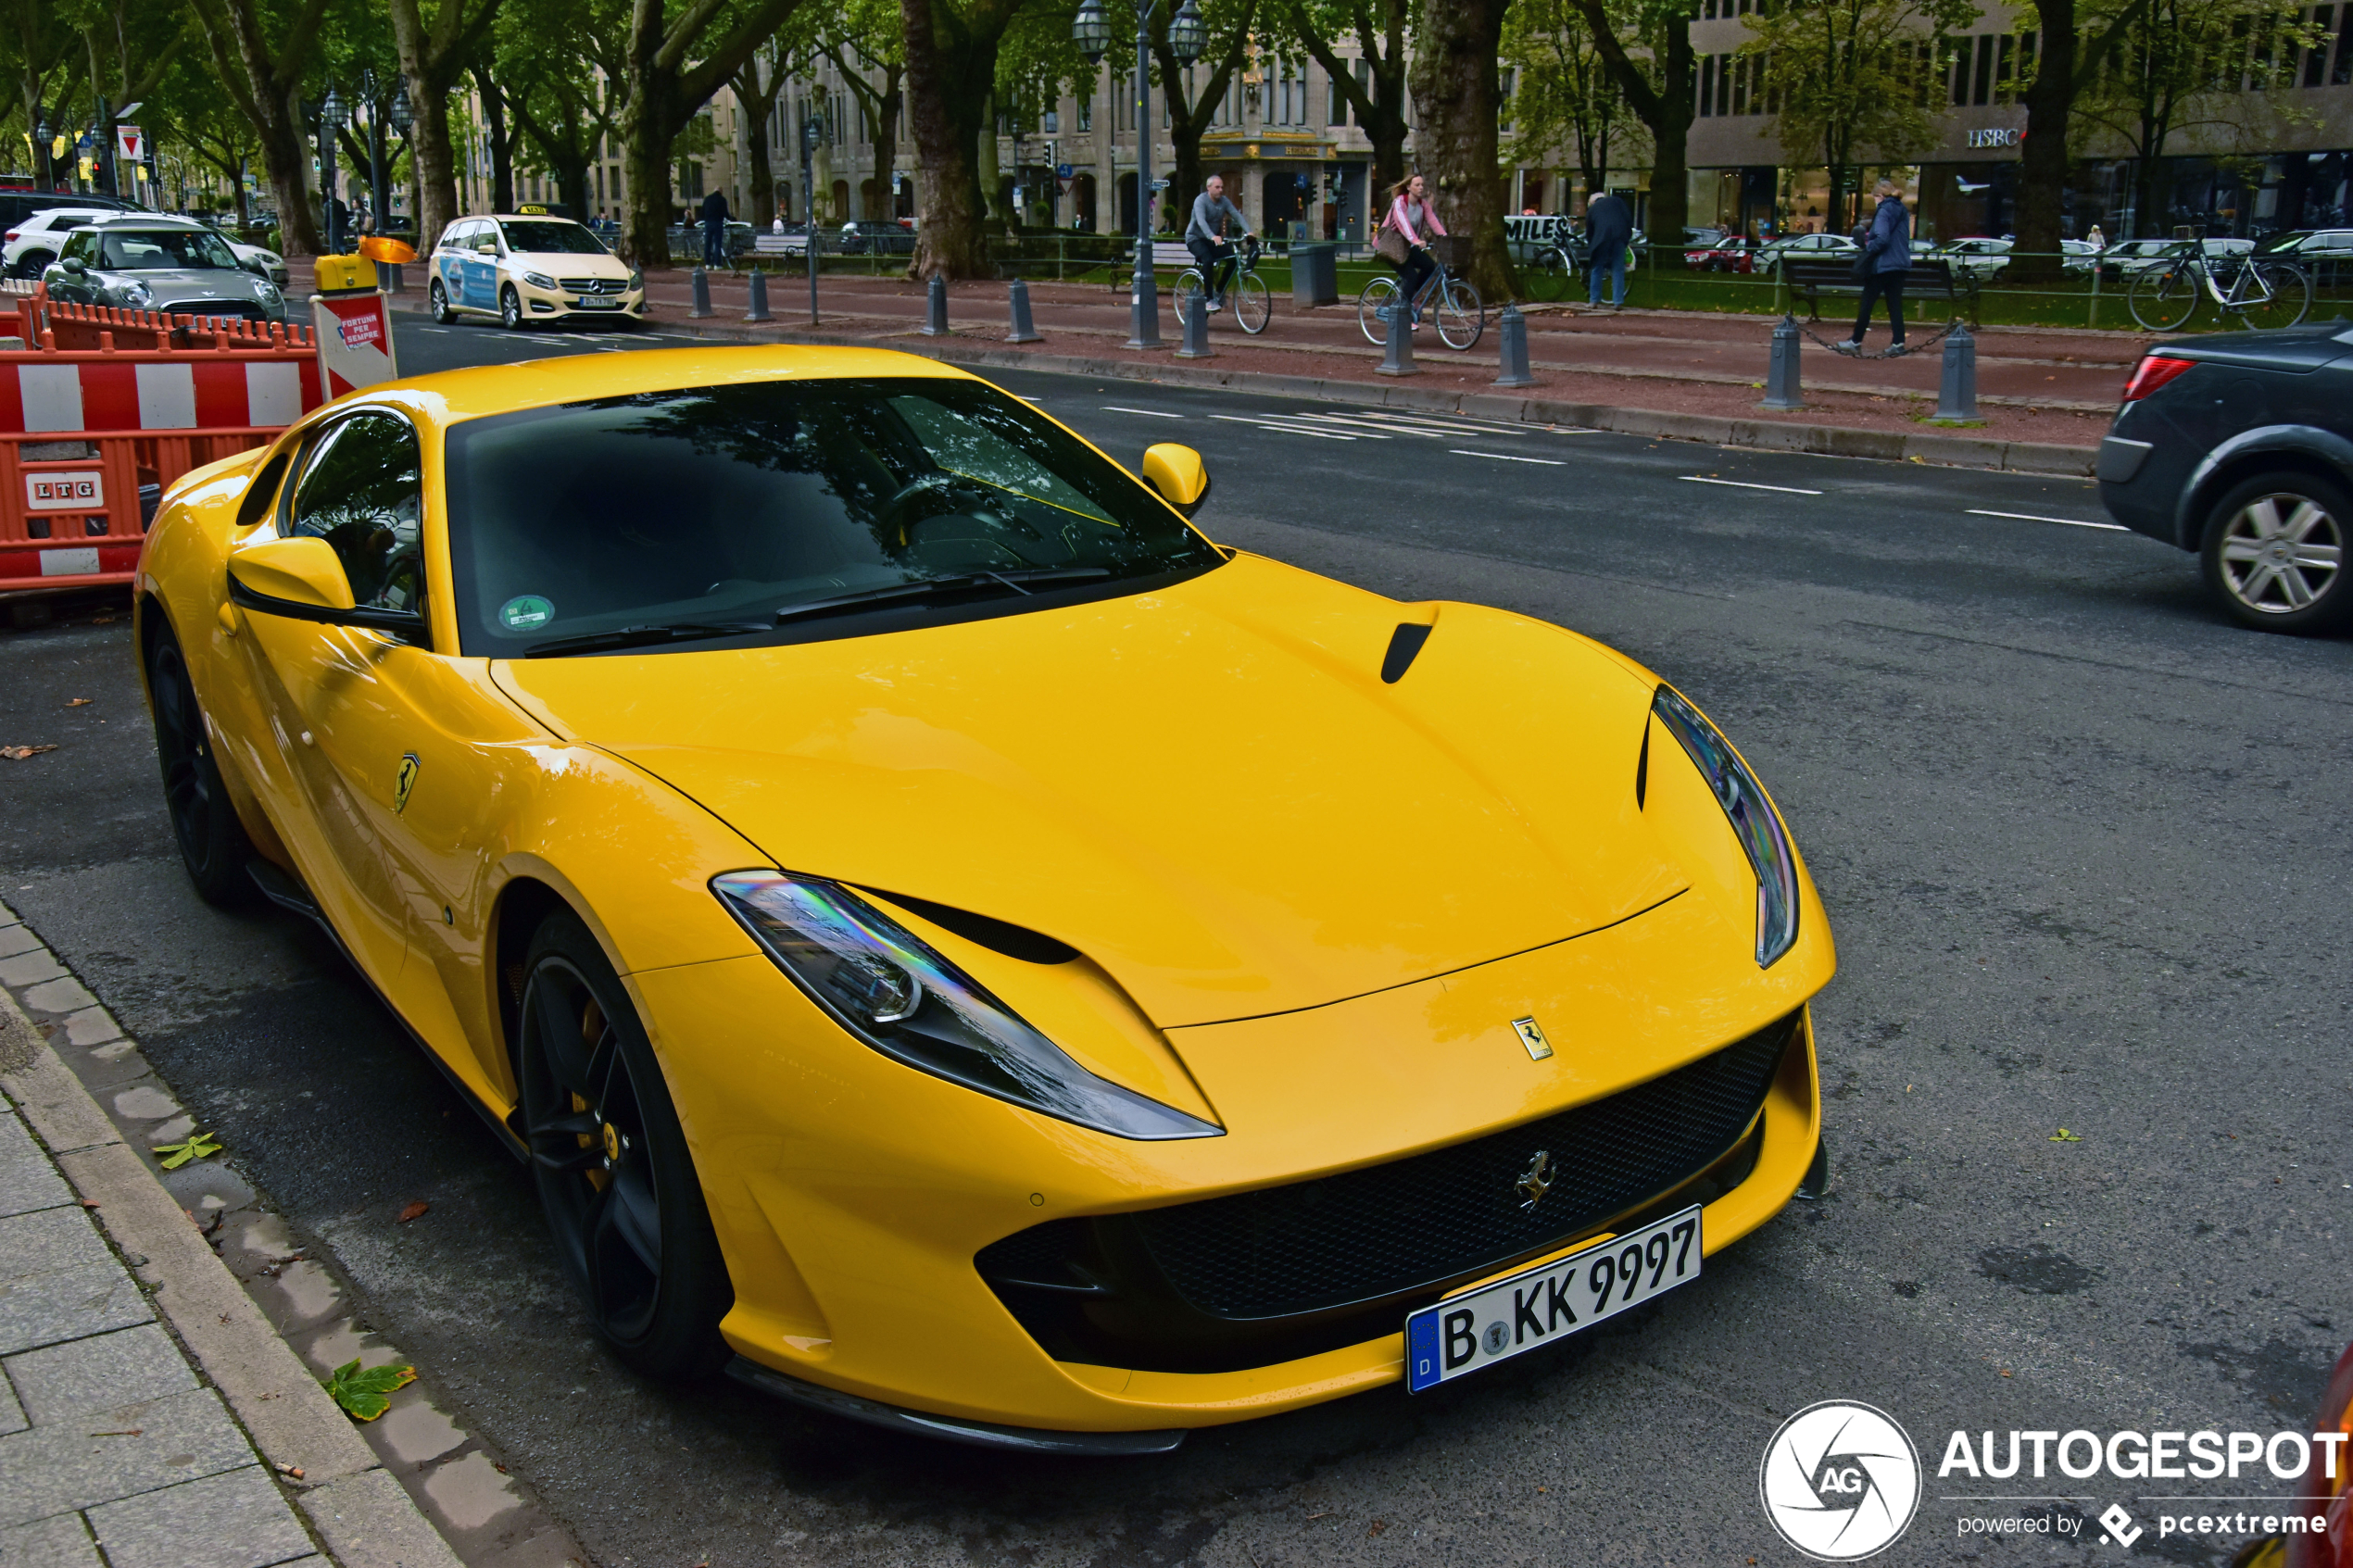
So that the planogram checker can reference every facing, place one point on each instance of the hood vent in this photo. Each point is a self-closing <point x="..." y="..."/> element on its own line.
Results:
<point x="1404" y="643"/>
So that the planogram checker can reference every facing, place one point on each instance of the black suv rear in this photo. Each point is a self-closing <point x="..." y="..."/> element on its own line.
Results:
<point x="2240" y="446"/>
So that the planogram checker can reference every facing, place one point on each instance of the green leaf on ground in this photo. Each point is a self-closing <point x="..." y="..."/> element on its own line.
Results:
<point x="201" y="1146"/>
<point x="367" y="1395"/>
<point x="2063" y="1136"/>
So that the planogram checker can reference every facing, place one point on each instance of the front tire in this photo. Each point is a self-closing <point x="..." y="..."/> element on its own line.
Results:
<point x="615" y="1176"/>
<point x="510" y="309"/>
<point x="1252" y="305"/>
<point x="437" y="302"/>
<point x="213" y="846"/>
<point x="2274" y="554"/>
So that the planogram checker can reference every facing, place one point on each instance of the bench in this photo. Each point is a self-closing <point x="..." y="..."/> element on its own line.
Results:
<point x="1922" y="280"/>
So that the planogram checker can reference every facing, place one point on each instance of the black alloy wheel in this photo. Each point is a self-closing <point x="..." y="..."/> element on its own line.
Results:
<point x="2274" y="553"/>
<point x="613" y="1170"/>
<point x="438" y="297"/>
<point x="213" y="845"/>
<point x="510" y="309"/>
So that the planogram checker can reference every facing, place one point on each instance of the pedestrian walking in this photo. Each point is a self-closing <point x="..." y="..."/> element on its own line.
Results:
<point x="1214" y="217"/>
<point x="1887" y="254"/>
<point x="714" y="230"/>
<point x="1609" y="231"/>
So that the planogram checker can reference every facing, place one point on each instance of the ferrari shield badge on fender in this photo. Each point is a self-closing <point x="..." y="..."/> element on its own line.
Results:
<point x="1532" y="1035"/>
<point x="403" y="782"/>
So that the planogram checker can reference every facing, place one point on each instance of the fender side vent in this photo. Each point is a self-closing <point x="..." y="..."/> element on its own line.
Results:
<point x="1643" y="766"/>
<point x="1404" y="645"/>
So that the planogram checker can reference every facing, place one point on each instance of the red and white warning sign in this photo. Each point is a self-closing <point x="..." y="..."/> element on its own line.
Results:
<point x="56" y="492"/>
<point x="130" y="141"/>
<point x="355" y="341"/>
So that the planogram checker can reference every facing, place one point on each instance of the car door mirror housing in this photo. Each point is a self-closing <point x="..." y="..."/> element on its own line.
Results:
<point x="1177" y="473"/>
<point x="301" y="579"/>
<point x="74" y="265"/>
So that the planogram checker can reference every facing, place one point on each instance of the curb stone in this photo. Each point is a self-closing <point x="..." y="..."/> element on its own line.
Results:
<point x="1836" y="440"/>
<point x="354" y="1495"/>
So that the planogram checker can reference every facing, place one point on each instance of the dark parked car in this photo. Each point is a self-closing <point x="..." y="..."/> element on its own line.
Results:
<point x="2240" y="446"/>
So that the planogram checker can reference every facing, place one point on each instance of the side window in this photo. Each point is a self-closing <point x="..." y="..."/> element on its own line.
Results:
<point x="77" y="248"/>
<point x="486" y="238"/>
<point x="362" y="494"/>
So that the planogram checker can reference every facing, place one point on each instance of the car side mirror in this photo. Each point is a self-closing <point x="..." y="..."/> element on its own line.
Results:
<point x="301" y="579"/>
<point x="74" y="265"/>
<point x="253" y="265"/>
<point x="1178" y="474"/>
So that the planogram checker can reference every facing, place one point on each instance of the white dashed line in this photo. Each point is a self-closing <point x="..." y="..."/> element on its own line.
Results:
<point x="1296" y="429"/>
<point x="1147" y="413"/>
<point x="2069" y="522"/>
<point x="1505" y="457"/>
<point x="1743" y="484"/>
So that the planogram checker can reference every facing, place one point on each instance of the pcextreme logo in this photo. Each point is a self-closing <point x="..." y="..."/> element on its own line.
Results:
<point x="1839" y="1481"/>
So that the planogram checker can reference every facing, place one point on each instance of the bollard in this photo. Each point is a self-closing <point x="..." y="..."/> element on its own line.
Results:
<point x="1399" y="360"/>
<point x="390" y="273"/>
<point x="759" y="296"/>
<point x="1513" y="367"/>
<point x="1196" y="345"/>
<point x="702" y="297"/>
<point x="1956" y="391"/>
<point x="935" y="309"/>
<point x="1023" y="330"/>
<point x="1782" y="389"/>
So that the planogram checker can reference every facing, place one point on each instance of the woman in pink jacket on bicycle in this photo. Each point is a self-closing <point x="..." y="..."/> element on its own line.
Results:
<point x="1410" y="213"/>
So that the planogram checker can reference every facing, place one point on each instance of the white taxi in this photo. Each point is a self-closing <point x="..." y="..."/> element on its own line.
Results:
<point x="526" y="267"/>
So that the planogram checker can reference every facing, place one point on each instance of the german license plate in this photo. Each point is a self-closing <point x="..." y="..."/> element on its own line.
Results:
<point x="1550" y="1301"/>
<point x="597" y="304"/>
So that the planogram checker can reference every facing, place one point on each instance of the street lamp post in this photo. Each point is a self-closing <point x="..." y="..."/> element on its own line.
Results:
<point x="331" y="119"/>
<point x="377" y="212"/>
<point x="43" y="157"/>
<point x="812" y="131"/>
<point x="402" y="117"/>
<point x="1186" y="34"/>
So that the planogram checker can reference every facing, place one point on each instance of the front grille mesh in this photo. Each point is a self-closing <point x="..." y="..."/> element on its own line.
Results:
<point x="1454" y="1211"/>
<point x="593" y="285"/>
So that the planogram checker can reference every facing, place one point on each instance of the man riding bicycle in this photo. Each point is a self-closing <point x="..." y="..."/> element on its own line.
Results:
<point x="1205" y="237"/>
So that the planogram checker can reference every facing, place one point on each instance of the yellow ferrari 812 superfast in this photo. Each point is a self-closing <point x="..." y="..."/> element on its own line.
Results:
<point x="955" y="946"/>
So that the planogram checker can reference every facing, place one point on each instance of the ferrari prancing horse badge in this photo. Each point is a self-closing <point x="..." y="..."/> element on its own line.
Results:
<point x="403" y="782"/>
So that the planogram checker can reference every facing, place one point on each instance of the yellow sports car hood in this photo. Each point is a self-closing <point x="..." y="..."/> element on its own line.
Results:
<point x="1209" y="789"/>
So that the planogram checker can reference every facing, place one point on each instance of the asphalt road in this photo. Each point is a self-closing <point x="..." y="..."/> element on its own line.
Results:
<point x="2084" y="849"/>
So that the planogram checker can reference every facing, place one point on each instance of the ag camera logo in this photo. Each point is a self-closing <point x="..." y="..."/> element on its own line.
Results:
<point x="1839" y="1481"/>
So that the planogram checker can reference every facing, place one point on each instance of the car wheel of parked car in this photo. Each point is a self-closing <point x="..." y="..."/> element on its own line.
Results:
<point x="613" y="1170"/>
<point x="2274" y="553"/>
<point x="33" y="263"/>
<point x="438" y="298"/>
<point x="510" y="309"/>
<point x="213" y="845"/>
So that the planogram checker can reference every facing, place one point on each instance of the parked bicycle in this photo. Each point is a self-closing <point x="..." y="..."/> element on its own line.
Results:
<point x="1246" y="293"/>
<point x="2263" y="294"/>
<point x="1460" y="314"/>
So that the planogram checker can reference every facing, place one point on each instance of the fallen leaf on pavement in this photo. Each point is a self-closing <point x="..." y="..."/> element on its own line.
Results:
<point x="367" y="1395"/>
<point x="18" y="753"/>
<point x="200" y="1146"/>
<point x="412" y="1212"/>
<point x="2063" y="1136"/>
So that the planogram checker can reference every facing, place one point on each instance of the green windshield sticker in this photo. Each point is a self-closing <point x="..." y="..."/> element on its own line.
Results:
<point x="525" y="612"/>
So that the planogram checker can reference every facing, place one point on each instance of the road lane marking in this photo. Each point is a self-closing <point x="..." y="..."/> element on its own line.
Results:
<point x="1272" y="424"/>
<point x="2031" y="517"/>
<point x="1147" y="413"/>
<point x="1505" y="457"/>
<point x="1743" y="484"/>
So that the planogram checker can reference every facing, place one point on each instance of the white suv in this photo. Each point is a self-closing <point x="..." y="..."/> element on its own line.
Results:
<point x="32" y="244"/>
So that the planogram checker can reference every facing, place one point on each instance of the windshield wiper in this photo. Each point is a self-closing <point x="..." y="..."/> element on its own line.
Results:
<point x="640" y="636"/>
<point x="936" y="587"/>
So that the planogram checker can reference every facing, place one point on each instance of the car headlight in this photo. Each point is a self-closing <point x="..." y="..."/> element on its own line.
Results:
<point x="637" y="282"/>
<point x="137" y="295"/>
<point x="268" y="291"/>
<point x="898" y="995"/>
<point x="539" y="280"/>
<point x="1755" y="823"/>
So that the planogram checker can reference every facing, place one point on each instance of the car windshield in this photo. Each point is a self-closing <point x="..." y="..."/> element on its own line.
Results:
<point x="748" y="504"/>
<point x="153" y="250"/>
<point x="551" y="235"/>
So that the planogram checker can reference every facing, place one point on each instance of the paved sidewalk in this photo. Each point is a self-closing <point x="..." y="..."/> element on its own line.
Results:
<point x="149" y="1417"/>
<point x="2046" y="385"/>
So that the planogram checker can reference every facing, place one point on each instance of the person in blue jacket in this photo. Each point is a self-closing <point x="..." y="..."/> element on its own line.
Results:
<point x="1887" y="254"/>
